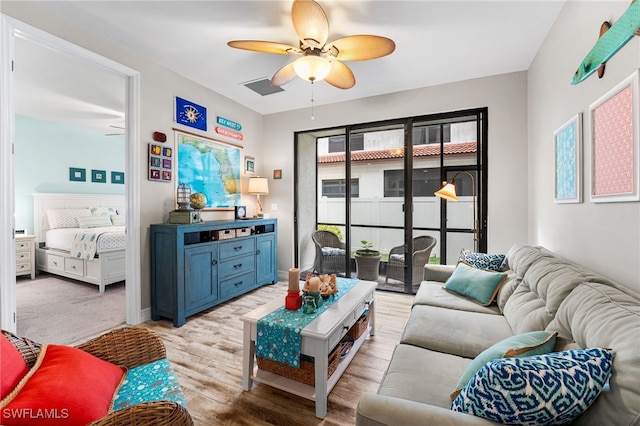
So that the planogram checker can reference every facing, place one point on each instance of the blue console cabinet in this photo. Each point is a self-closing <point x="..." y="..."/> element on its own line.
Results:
<point x="193" y="268"/>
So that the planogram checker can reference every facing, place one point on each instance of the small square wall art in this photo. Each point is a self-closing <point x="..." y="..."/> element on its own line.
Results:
<point x="160" y="163"/>
<point x="77" y="175"/>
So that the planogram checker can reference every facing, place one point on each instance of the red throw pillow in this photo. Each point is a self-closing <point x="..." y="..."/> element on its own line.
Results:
<point x="13" y="367"/>
<point x="67" y="386"/>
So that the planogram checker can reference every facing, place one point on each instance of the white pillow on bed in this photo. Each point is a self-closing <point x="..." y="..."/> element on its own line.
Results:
<point x="117" y="219"/>
<point x="107" y="211"/>
<point x="94" y="221"/>
<point x="66" y="218"/>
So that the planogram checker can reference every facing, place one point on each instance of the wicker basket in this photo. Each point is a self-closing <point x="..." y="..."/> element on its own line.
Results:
<point x="306" y="372"/>
<point x="360" y="326"/>
<point x="243" y="232"/>
<point x="225" y="234"/>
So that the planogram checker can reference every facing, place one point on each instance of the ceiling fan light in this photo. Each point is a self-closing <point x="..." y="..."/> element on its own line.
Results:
<point x="312" y="68"/>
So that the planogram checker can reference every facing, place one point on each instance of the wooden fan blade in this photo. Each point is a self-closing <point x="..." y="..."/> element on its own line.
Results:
<point x="264" y="46"/>
<point x="283" y="75"/>
<point x="310" y="21"/>
<point x="363" y="47"/>
<point x="340" y="76"/>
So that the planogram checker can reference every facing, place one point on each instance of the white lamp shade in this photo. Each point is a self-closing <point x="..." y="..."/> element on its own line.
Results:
<point x="448" y="192"/>
<point x="258" y="186"/>
<point x="312" y="68"/>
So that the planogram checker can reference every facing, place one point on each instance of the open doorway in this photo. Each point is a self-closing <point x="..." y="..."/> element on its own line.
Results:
<point x="15" y="202"/>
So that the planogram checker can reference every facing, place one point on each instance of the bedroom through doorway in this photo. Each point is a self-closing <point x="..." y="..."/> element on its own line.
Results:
<point x="69" y="114"/>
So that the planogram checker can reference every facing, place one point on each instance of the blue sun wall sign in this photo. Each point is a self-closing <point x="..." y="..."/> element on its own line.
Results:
<point x="191" y="114"/>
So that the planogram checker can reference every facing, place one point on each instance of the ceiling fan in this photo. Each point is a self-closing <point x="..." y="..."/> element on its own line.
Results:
<point x="118" y="133"/>
<point x="319" y="60"/>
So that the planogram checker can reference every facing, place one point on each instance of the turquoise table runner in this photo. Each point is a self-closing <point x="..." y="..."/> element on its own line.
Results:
<point x="278" y="333"/>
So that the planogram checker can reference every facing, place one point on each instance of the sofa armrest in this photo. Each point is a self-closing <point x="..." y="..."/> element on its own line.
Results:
<point x="379" y="410"/>
<point x="156" y="413"/>
<point x="440" y="273"/>
<point x="130" y="347"/>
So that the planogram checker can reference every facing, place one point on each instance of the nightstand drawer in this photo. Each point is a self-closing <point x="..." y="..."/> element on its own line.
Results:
<point x="23" y="246"/>
<point x="23" y="256"/>
<point x="74" y="266"/>
<point x="23" y="268"/>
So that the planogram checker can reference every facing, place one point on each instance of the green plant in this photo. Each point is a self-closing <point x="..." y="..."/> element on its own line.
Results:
<point x="367" y="249"/>
<point x="332" y="228"/>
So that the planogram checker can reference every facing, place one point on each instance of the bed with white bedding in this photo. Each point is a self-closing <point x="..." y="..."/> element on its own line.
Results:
<point x="81" y="236"/>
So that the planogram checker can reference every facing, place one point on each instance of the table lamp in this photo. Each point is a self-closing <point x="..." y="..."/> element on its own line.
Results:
<point x="258" y="186"/>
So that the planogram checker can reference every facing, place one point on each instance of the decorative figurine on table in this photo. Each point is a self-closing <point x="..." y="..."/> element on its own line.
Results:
<point x="320" y="287"/>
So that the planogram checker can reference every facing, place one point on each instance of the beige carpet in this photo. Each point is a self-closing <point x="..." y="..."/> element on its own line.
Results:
<point x="52" y="309"/>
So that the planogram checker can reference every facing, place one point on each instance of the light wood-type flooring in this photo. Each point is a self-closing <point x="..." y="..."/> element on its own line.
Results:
<point x="207" y="356"/>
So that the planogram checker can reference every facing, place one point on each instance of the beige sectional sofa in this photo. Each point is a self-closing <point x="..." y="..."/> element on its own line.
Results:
<point x="543" y="291"/>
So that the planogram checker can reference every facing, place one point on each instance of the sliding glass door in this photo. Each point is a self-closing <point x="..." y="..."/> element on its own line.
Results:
<point x="373" y="185"/>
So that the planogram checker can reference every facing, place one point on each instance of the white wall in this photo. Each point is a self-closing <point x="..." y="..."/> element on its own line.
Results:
<point x="605" y="236"/>
<point x="158" y="88"/>
<point x="504" y="95"/>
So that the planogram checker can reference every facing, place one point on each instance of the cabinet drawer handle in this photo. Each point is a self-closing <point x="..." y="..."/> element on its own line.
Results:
<point x="238" y="266"/>
<point x="257" y="251"/>
<point x="237" y="248"/>
<point x="238" y="283"/>
<point x="214" y="262"/>
<point x="55" y="263"/>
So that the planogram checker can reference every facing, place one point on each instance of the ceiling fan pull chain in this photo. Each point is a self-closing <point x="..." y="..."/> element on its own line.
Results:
<point x="312" y="116"/>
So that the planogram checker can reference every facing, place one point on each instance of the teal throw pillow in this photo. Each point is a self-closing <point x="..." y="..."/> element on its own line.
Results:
<point x="492" y="262"/>
<point x="539" y="390"/>
<point x="522" y="345"/>
<point x="476" y="284"/>
<point x="155" y="381"/>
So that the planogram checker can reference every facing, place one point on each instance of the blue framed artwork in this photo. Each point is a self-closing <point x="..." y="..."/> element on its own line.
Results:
<point x="77" y="175"/>
<point x="568" y="154"/>
<point x="117" y="177"/>
<point x="191" y="114"/>
<point x="99" y="176"/>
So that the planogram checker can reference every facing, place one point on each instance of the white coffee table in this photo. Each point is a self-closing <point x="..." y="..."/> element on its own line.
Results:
<point x="317" y="340"/>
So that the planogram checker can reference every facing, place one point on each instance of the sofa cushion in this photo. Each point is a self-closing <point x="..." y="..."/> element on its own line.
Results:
<point x="150" y="382"/>
<point x="422" y="375"/>
<point x="546" y="283"/>
<point x="607" y="316"/>
<point x="69" y="384"/>
<point x="477" y="284"/>
<point x="13" y="367"/>
<point x="460" y="333"/>
<point x="520" y="345"/>
<point x="333" y="251"/>
<point x="491" y="262"/>
<point x="431" y="293"/>
<point x="543" y="389"/>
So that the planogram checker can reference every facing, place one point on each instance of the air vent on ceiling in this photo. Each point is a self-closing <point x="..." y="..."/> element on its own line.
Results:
<point x="263" y="87"/>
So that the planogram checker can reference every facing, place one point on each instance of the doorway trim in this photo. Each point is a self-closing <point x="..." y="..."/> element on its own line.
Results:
<point x="10" y="29"/>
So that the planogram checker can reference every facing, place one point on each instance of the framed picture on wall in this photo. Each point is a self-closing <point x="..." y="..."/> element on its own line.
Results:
<point x="249" y="165"/>
<point x="614" y="144"/>
<point x="568" y="161"/>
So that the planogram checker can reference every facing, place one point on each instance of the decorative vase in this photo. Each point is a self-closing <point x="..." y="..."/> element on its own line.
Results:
<point x="293" y="301"/>
<point x="309" y="306"/>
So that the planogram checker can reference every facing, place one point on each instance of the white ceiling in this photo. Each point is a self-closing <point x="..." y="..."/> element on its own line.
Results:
<point x="436" y="42"/>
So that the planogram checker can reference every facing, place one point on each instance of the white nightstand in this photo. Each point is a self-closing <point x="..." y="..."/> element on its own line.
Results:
<point x="26" y="255"/>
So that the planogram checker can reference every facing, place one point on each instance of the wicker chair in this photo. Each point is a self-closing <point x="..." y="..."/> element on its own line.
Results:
<point x="422" y="247"/>
<point x="333" y="258"/>
<point x="130" y="347"/>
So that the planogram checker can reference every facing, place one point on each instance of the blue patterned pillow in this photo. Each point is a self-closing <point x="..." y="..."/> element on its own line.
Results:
<point x="150" y="382"/>
<point x="538" y="390"/>
<point x="491" y="262"/>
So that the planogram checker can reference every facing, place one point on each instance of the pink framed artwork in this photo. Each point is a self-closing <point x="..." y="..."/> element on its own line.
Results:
<point x="614" y="144"/>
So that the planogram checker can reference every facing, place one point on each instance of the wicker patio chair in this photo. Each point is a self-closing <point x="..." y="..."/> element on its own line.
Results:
<point x="422" y="247"/>
<point x="130" y="347"/>
<point x="331" y="254"/>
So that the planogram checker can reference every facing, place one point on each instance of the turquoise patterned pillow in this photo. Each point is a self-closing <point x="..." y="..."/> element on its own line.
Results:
<point x="150" y="382"/>
<point x="491" y="262"/>
<point x="538" y="390"/>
